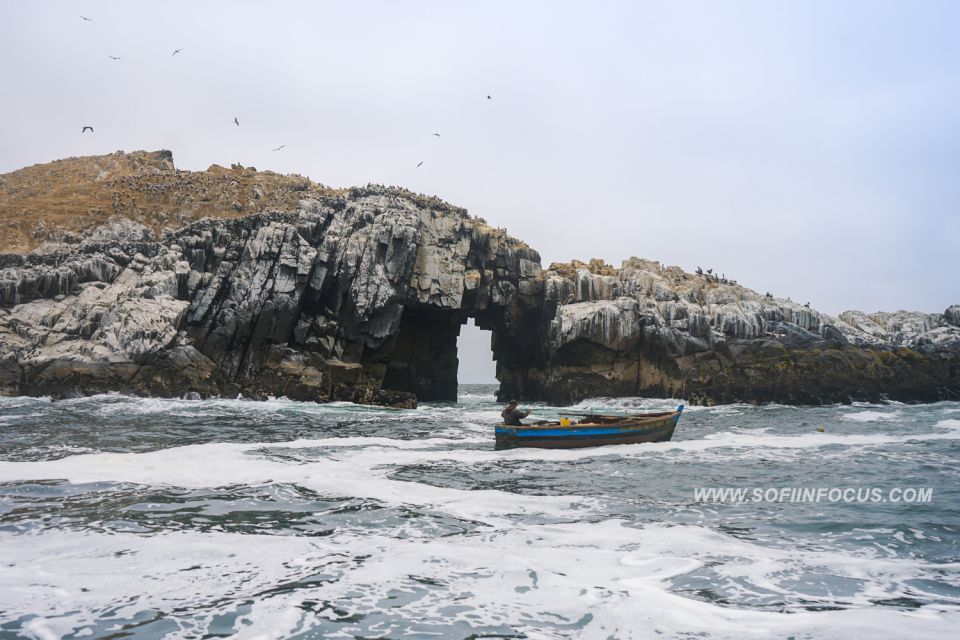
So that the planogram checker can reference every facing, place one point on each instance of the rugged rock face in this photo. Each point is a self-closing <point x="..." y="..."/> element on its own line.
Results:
<point x="238" y="282"/>
<point x="646" y="329"/>
<point x="327" y="300"/>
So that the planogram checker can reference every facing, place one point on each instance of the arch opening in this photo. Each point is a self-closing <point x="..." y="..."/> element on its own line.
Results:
<point x="435" y="350"/>
<point x="475" y="355"/>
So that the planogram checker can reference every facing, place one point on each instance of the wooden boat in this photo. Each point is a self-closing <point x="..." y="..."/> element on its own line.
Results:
<point x="593" y="430"/>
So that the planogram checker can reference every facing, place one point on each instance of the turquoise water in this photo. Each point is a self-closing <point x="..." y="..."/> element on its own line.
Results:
<point x="150" y="518"/>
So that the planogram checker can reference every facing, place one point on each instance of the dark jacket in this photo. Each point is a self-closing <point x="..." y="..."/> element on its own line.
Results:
<point x="511" y="417"/>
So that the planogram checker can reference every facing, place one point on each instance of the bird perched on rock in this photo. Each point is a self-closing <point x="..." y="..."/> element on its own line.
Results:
<point x="176" y="51"/>
<point x="710" y="271"/>
<point x="699" y="271"/>
<point x="236" y="122"/>
<point x="84" y="130"/>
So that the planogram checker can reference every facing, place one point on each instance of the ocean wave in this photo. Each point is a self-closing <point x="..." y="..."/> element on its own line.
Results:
<point x="630" y="403"/>
<point x="12" y="402"/>
<point x="871" y="416"/>
<point x="215" y="464"/>
<point x="359" y="471"/>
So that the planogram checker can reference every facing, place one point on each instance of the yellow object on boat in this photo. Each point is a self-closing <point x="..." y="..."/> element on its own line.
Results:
<point x="564" y="422"/>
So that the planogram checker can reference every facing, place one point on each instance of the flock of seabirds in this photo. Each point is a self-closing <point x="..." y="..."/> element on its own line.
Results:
<point x="236" y="121"/>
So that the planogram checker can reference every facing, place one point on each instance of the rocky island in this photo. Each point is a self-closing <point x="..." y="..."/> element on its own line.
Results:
<point x="123" y="273"/>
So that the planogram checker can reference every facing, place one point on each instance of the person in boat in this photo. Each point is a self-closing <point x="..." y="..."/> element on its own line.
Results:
<point x="512" y="416"/>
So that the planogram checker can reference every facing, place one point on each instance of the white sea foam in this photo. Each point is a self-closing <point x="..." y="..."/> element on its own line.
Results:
<point x="504" y="573"/>
<point x="359" y="471"/>
<point x="614" y="579"/>
<point x="633" y="404"/>
<point x="220" y="464"/>
<point x="872" y="416"/>
<point x="115" y="404"/>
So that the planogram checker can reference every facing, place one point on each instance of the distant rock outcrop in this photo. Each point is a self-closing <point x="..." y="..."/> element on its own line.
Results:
<point x="646" y="329"/>
<point x="149" y="280"/>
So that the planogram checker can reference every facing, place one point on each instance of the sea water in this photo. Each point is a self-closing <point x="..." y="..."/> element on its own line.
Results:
<point x="151" y="518"/>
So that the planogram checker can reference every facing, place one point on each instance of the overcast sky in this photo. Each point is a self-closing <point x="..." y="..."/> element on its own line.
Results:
<point x="809" y="149"/>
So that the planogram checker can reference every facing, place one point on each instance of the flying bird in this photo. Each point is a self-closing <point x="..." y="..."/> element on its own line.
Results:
<point x="489" y="98"/>
<point x="175" y="52"/>
<point x="85" y="19"/>
<point x="113" y="57"/>
<point x="84" y="130"/>
<point x="437" y="134"/>
<point x="280" y="147"/>
<point x="418" y="165"/>
<point x="236" y="122"/>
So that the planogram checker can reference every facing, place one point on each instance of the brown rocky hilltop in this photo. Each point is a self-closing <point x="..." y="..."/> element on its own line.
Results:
<point x="122" y="273"/>
<point x="49" y="201"/>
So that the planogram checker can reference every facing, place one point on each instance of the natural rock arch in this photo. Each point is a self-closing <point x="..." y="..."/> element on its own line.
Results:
<point x="371" y="290"/>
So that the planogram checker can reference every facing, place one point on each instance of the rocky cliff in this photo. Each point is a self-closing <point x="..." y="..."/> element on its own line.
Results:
<point x="122" y="273"/>
<point x="355" y="295"/>
<point x="649" y="330"/>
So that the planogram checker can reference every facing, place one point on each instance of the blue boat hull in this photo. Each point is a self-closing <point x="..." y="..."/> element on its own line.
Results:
<point x="657" y="427"/>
